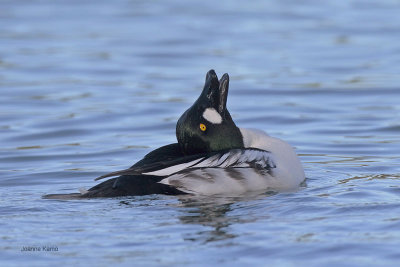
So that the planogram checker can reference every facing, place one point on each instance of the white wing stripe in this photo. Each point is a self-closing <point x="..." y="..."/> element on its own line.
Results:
<point x="173" y="169"/>
<point x="222" y="159"/>
<point x="231" y="160"/>
<point x="234" y="158"/>
<point x="209" y="162"/>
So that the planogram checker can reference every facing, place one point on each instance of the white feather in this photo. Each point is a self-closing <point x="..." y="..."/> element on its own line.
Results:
<point x="211" y="115"/>
<point x="173" y="169"/>
<point x="288" y="166"/>
<point x="213" y="181"/>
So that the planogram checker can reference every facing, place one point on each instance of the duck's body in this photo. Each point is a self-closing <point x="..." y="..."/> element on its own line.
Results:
<point x="265" y="163"/>
<point x="212" y="156"/>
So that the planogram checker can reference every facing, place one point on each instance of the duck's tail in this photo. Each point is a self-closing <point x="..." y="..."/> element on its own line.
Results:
<point x="126" y="185"/>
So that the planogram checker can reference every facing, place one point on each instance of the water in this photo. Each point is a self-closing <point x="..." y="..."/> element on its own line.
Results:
<point x="90" y="87"/>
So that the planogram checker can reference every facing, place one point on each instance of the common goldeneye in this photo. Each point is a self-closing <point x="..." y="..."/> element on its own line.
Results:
<point x="212" y="156"/>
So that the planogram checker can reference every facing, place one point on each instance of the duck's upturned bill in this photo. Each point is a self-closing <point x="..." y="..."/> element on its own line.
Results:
<point x="215" y="93"/>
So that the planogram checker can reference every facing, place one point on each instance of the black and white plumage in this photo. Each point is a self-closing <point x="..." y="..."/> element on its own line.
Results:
<point x="234" y="158"/>
<point x="181" y="173"/>
<point x="212" y="156"/>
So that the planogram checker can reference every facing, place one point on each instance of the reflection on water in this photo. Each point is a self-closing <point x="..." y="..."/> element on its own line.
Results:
<point x="213" y="216"/>
<point x="91" y="88"/>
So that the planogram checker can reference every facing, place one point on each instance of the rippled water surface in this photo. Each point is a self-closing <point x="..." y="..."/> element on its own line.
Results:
<point x="89" y="87"/>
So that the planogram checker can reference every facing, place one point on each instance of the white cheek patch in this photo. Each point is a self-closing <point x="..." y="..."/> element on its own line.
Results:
<point x="211" y="115"/>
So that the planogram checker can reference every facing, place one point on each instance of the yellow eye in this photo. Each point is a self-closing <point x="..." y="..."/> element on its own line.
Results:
<point x="202" y="127"/>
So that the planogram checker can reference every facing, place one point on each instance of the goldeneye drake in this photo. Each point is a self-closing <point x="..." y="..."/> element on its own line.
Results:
<point x="212" y="156"/>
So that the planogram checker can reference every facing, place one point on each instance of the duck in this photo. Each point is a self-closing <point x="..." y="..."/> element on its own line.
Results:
<point x="212" y="156"/>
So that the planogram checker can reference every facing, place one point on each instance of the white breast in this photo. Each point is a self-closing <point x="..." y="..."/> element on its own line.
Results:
<point x="289" y="170"/>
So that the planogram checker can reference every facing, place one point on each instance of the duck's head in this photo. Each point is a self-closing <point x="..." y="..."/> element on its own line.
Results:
<point x="207" y="125"/>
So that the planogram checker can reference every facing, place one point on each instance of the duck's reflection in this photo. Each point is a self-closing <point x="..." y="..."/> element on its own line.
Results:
<point x="216" y="213"/>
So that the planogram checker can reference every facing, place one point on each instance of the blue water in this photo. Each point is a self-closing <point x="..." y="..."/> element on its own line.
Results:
<point x="89" y="87"/>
